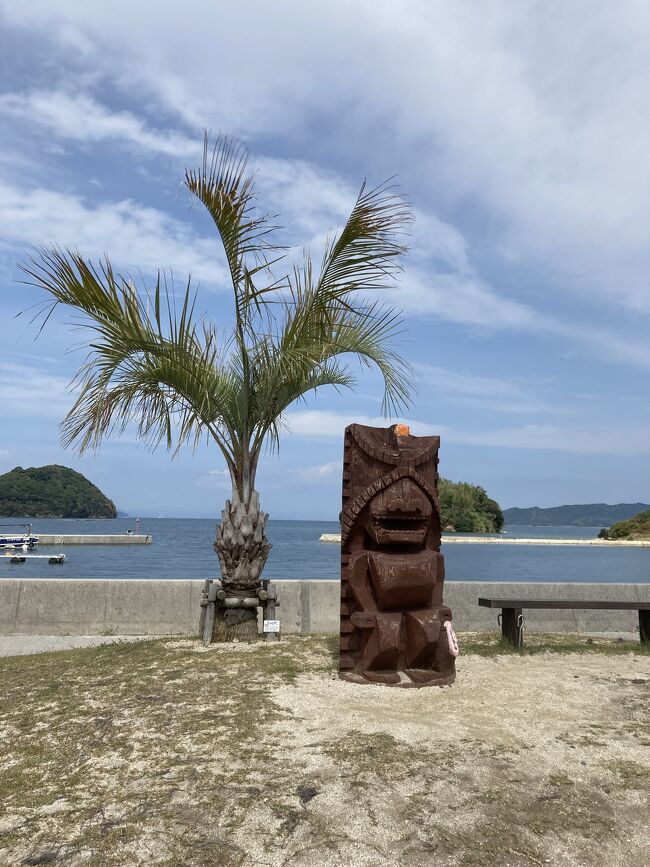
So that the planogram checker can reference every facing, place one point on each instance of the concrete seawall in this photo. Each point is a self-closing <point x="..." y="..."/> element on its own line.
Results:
<point x="94" y="539"/>
<point x="159" y="607"/>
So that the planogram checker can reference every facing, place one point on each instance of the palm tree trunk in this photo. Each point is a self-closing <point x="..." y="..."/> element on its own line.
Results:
<point x="243" y="549"/>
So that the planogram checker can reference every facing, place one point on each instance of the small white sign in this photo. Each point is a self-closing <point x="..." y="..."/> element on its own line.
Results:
<point x="271" y="626"/>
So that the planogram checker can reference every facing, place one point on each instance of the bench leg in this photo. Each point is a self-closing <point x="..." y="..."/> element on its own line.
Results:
<point x="512" y="626"/>
<point x="644" y="627"/>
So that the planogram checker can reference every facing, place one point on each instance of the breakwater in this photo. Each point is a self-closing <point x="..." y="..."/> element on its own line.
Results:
<point x="33" y="606"/>
<point x="500" y="540"/>
<point x="94" y="539"/>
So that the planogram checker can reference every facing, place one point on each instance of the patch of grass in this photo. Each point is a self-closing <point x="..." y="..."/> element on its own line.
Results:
<point x="560" y="780"/>
<point x="518" y="820"/>
<point x="378" y="753"/>
<point x="630" y="774"/>
<point x="496" y="845"/>
<point x="492" y="644"/>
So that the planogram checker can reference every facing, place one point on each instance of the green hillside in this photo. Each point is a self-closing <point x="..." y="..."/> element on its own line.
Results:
<point x="579" y="515"/>
<point x="51" y="492"/>
<point x="634" y="529"/>
<point x="467" y="508"/>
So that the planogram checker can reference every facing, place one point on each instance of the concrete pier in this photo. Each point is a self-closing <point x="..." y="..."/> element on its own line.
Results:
<point x="504" y="540"/>
<point x="93" y="539"/>
<point x="57" y="606"/>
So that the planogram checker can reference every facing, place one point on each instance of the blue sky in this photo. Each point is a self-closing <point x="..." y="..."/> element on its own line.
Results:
<point x="519" y="132"/>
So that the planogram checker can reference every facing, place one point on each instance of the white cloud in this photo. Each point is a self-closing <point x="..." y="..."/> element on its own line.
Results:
<point x="604" y="343"/>
<point x="31" y="392"/>
<point x="217" y="479"/>
<point x="495" y="393"/>
<point x="309" y="199"/>
<point x="312" y="201"/>
<point x="532" y="117"/>
<point x="81" y="118"/>
<point x="134" y="236"/>
<point x="326" y="424"/>
<point x="439" y="278"/>
<point x="556" y="176"/>
<point x="319" y="472"/>
<point x="461" y="298"/>
<point x="587" y="441"/>
<point x="470" y="301"/>
<point x="433" y="239"/>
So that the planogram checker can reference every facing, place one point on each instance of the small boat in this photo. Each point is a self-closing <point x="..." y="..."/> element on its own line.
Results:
<point x="25" y="540"/>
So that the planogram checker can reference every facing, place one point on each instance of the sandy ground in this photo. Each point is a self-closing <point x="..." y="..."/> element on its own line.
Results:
<point x="513" y="733"/>
<point x="168" y="753"/>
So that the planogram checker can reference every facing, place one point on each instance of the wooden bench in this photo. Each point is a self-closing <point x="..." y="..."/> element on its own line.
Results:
<point x="512" y="621"/>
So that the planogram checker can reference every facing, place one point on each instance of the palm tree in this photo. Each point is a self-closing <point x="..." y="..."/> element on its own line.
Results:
<point x="153" y="363"/>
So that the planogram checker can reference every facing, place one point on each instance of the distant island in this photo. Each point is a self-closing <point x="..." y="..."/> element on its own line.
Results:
<point x="584" y="515"/>
<point x="52" y="492"/>
<point x="466" y="508"/>
<point x="636" y="529"/>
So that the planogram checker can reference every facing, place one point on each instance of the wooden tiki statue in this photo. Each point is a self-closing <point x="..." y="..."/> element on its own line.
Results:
<point x="395" y="628"/>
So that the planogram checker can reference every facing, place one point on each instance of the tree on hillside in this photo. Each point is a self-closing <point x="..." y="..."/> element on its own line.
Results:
<point x="467" y="508"/>
<point x="155" y="363"/>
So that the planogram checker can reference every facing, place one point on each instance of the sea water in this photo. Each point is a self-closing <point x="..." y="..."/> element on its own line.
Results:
<point x="182" y="548"/>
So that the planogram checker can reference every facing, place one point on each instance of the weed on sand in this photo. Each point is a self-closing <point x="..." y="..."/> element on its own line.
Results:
<point x="492" y="644"/>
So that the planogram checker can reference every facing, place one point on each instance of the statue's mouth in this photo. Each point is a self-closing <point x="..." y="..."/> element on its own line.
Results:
<point x="409" y="524"/>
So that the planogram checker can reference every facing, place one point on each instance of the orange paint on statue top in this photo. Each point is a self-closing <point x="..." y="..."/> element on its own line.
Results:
<point x="402" y="430"/>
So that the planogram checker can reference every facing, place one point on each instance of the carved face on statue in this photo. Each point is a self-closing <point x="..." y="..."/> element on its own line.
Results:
<point x="399" y="515"/>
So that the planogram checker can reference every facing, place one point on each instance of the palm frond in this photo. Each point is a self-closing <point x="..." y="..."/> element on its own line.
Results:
<point x="147" y="361"/>
<point x="325" y="316"/>
<point x="366" y="254"/>
<point x="225" y="186"/>
<point x="279" y="384"/>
